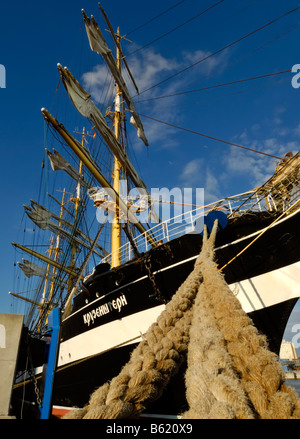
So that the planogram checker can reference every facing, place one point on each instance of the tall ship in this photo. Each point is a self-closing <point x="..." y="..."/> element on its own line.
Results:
<point x="112" y="263"/>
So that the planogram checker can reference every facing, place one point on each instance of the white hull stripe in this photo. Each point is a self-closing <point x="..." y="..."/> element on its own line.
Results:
<point x="169" y="267"/>
<point x="269" y="288"/>
<point x="107" y="336"/>
<point x="254" y="294"/>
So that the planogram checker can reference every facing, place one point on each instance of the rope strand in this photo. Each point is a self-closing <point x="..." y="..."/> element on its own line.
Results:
<point x="231" y="372"/>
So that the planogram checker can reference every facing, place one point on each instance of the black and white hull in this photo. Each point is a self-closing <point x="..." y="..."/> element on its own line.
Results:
<point x="117" y="306"/>
<point x="256" y="248"/>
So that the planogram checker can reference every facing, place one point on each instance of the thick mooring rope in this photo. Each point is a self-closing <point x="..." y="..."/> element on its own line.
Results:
<point x="155" y="359"/>
<point x="231" y="373"/>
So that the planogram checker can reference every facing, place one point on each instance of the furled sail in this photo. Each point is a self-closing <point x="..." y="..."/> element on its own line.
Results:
<point x="44" y="258"/>
<point x="42" y="212"/>
<point x="95" y="171"/>
<point x="31" y="269"/>
<point x="98" y="44"/>
<point x="81" y="100"/>
<point x="58" y="163"/>
<point x="41" y="217"/>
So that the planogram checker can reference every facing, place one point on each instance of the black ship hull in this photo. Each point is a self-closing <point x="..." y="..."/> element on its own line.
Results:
<point x="118" y="305"/>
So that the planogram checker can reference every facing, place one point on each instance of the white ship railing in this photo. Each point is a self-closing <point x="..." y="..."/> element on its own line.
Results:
<point x="269" y="197"/>
<point x="187" y="223"/>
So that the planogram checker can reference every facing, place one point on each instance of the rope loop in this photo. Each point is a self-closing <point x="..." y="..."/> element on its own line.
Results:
<point x="231" y="373"/>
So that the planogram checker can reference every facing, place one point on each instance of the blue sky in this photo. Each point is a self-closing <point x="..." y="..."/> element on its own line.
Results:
<point x="261" y="114"/>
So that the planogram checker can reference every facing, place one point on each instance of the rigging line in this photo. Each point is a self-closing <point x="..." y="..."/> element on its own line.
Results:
<point x="211" y="137"/>
<point x="176" y="28"/>
<point x="154" y="18"/>
<point x="223" y="48"/>
<point x="216" y="85"/>
<point x="260" y="234"/>
<point x="69" y="244"/>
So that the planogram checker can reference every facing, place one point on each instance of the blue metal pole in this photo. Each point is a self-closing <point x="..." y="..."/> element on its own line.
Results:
<point x="54" y="323"/>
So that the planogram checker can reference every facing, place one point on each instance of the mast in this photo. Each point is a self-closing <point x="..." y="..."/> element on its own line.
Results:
<point x="94" y="170"/>
<point x="82" y="102"/>
<point x="42" y="218"/>
<point x="116" y="226"/>
<point x="44" y="301"/>
<point x="45" y="259"/>
<point x="113" y="138"/>
<point x="56" y="250"/>
<point x="77" y="203"/>
<point x="51" y="261"/>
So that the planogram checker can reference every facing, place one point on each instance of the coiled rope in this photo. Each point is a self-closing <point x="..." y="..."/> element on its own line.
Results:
<point x="231" y="373"/>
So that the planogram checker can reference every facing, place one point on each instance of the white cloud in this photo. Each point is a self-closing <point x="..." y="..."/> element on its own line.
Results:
<point x="192" y="173"/>
<point x="146" y="69"/>
<point x="97" y="83"/>
<point x="296" y="130"/>
<point x="209" y="64"/>
<point x="256" y="166"/>
<point x="278" y="111"/>
<point x="149" y="68"/>
<point x="196" y="174"/>
<point x="212" y="188"/>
